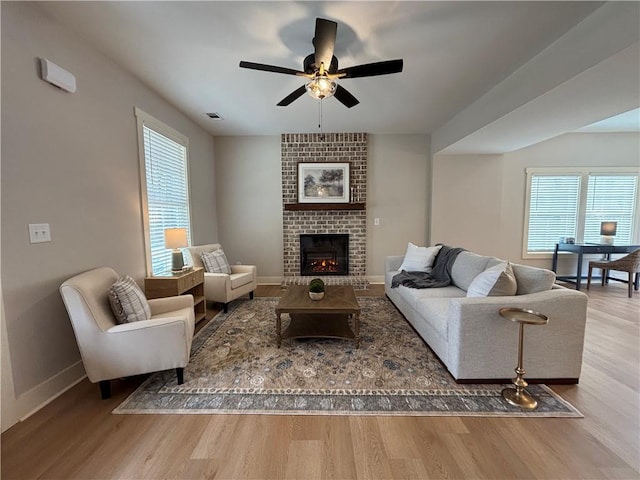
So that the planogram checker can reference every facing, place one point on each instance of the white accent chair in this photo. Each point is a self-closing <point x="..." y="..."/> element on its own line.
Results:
<point x="110" y="350"/>
<point x="222" y="287"/>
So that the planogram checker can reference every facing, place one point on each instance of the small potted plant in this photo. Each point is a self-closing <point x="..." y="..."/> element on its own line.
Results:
<point x="316" y="289"/>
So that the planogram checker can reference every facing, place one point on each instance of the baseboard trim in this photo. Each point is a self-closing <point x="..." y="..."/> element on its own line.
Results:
<point x="38" y="397"/>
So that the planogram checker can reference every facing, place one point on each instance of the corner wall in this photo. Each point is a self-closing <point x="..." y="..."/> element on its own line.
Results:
<point x="479" y="200"/>
<point x="71" y="160"/>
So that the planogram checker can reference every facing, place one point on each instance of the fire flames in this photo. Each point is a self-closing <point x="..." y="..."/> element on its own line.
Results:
<point x="324" y="266"/>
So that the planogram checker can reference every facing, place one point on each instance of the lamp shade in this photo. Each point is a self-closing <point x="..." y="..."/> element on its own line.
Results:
<point x="175" y="238"/>
<point x="608" y="228"/>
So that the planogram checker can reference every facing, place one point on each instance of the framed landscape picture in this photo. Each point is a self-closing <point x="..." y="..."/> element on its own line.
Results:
<point x="323" y="182"/>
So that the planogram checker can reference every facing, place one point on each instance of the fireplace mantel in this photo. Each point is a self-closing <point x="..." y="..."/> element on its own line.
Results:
<point x="298" y="207"/>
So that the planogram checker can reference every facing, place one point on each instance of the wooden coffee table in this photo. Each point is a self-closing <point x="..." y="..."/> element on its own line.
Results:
<point x="326" y="318"/>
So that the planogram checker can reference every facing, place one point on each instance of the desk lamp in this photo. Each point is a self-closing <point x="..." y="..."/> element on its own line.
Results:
<point x="176" y="238"/>
<point x="607" y="232"/>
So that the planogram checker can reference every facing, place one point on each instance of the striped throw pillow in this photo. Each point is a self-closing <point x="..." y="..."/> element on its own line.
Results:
<point x="215" y="262"/>
<point x="128" y="301"/>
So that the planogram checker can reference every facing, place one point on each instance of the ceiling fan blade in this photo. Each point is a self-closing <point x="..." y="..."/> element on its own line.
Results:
<point x="372" y="69"/>
<point x="297" y="93"/>
<point x="343" y="95"/>
<point x="270" y="68"/>
<point x="324" y="41"/>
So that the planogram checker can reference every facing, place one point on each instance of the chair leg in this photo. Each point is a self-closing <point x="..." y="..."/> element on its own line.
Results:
<point x="636" y="283"/>
<point x="630" y="284"/>
<point x="105" y="389"/>
<point x="180" y="375"/>
<point x="589" y="277"/>
<point x="251" y="295"/>
<point x="604" y="276"/>
<point x="225" y="308"/>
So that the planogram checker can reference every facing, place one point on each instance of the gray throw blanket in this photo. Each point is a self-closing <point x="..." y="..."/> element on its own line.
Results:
<point x="440" y="275"/>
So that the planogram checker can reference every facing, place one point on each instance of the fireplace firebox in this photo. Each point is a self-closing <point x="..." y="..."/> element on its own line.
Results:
<point x="324" y="254"/>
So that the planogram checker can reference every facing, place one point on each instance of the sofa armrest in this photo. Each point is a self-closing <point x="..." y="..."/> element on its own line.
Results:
<point x="478" y="336"/>
<point x="393" y="262"/>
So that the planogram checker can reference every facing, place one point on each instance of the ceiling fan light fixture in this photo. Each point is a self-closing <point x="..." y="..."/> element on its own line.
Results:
<point x="321" y="87"/>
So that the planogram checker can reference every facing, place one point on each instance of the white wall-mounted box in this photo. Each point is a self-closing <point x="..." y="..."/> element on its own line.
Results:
<point x="58" y="76"/>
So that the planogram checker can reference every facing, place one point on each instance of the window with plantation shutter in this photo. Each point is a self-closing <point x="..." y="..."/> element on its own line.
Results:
<point x="165" y="187"/>
<point x="563" y="203"/>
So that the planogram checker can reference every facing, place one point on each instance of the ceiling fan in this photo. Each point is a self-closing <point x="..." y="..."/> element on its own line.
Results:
<point x="321" y="68"/>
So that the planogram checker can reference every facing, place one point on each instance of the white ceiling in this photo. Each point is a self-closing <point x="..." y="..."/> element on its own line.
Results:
<point x="625" y="122"/>
<point x="189" y="52"/>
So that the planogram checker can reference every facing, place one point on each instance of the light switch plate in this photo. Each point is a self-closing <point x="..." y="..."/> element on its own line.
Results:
<point x="39" y="232"/>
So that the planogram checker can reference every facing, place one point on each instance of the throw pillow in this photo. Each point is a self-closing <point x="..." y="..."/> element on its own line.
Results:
<point x="419" y="259"/>
<point x="128" y="301"/>
<point x="498" y="280"/>
<point x="215" y="262"/>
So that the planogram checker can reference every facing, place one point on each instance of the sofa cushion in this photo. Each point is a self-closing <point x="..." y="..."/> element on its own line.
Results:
<point x="533" y="279"/>
<point x="495" y="281"/>
<point x="419" y="259"/>
<point x="215" y="262"/>
<point x="468" y="265"/>
<point x="436" y="312"/>
<point x="128" y="301"/>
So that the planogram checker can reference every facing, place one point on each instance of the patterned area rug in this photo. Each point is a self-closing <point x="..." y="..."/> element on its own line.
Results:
<point x="236" y="367"/>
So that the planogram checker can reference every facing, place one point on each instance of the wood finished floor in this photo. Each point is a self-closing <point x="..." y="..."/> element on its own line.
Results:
<point x="76" y="437"/>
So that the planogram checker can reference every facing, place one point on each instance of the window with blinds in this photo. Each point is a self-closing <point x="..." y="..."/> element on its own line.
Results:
<point x="611" y="198"/>
<point x="575" y="203"/>
<point x="165" y="188"/>
<point x="553" y="210"/>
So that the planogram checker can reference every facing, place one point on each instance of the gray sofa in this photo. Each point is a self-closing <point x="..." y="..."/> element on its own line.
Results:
<point x="475" y="343"/>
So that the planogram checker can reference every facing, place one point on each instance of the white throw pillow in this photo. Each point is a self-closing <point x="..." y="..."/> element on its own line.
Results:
<point x="215" y="262"/>
<point x="128" y="301"/>
<point x="419" y="259"/>
<point x="498" y="280"/>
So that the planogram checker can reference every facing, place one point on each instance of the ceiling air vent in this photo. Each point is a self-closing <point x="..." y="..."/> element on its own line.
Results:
<point x="214" y="115"/>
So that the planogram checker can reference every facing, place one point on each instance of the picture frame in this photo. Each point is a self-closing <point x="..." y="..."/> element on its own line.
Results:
<point x="323" y="182"/>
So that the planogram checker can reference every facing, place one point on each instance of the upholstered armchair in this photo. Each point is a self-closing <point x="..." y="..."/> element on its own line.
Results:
<point x="110" y="350"/>
<point x="224" y="287"/>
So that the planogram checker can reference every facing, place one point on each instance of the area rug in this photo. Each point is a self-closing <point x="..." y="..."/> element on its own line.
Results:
<point x="236" y="367"/>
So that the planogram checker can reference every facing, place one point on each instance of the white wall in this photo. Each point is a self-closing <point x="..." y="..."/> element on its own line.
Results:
<point x="398" y="194"/>
<point x="71" y="160"/>
<point x="479" y="200"/>
<point x="249" y="199"/>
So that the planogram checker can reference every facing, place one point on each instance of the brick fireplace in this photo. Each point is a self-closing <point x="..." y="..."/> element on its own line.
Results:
<point x="348" y="219"/>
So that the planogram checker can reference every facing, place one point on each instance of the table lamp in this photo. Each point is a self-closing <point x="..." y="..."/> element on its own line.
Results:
<point x="607" y="232"/>
<point x="176" y="238"/>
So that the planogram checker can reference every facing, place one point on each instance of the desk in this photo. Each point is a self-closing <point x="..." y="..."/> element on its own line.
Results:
<point x="588" y="248"/>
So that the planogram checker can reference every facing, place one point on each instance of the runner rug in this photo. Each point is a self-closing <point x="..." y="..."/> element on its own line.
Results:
<point x="236" y="367"/>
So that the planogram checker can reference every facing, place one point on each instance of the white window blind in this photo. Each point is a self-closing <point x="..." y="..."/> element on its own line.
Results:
<point x="553" y="210"/>
<point x="165" y="188"/>
<point x="611" y="198"/>
<point x="573" y="203"/>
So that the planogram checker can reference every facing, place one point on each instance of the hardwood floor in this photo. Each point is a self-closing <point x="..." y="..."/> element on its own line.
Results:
<point x="76" y="437"/>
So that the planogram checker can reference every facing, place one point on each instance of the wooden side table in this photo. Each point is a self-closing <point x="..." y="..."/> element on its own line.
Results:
<point x="169" y="285"/>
